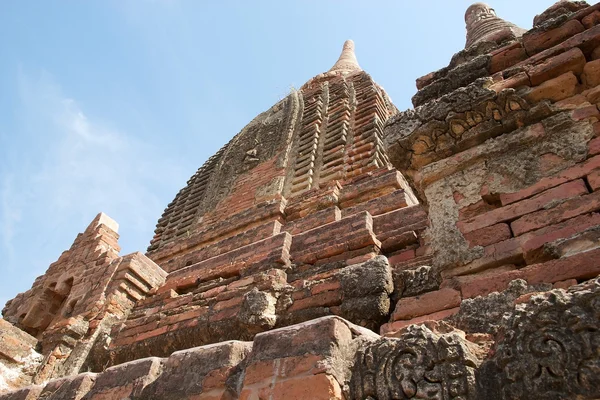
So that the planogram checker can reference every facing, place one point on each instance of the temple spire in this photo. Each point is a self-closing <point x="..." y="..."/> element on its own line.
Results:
<point x="484" y="25"/>
<point x="347" y="60"/>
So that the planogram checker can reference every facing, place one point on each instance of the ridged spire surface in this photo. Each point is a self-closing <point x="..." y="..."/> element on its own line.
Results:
<point x="347" y="60"/>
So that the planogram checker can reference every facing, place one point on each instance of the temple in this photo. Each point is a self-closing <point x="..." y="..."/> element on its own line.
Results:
<point x="338" y="248"/>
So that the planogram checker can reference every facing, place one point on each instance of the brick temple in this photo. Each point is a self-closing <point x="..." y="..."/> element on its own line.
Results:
<point x="338" y="248"/>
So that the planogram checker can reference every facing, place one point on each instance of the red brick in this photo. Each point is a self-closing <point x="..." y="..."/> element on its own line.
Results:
<point x="594" y="180"/>
<point x="565" y="191"/>
<point x="489" y="235"/>
<point x="381" y="205"/>
<point x="496" y="255"/>
<point x="401" y="257"/>
<point x="515" y="81"/>
<point x="594" y="147"/>
<point x="542" y="40"/>
<point x="319" y="300"/>
<point x="565" y="284"/>
<point x="507" y="57"/>
<point x="557" y="89"/>
<point x="329" y="284"/>
<point x="532" y="247"/>
<point x="425" y="80"/>
<point x="484" y="284"/>
<point x="581" y="266"/>
<point x="274" y="250"/>
<point x="428" y="303"/>
<point x="577" y="101"/>
<point x="575" y="172"/>
<point x="569" y="61"/>
<point x="586" y="41"/>
<point x="371" y="188"/>
<point x="351" y="233"/>
<point x="585" y="113"/>
<point x="592" y="95"/>
<point x="566" y="210"/>
<point x="313" y="220"/>
<point x="591" y="74"/>
<point x="398" y="242"/>
<point x="591" y="20"/>
<point x="390" y="328"/>
<point x="525" y="298"/>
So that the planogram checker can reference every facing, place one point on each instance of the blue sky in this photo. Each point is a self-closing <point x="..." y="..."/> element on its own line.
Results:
<point x="110" y="105"/>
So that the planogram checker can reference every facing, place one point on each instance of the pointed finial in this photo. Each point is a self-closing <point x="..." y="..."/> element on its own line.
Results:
<point x="347" y="60"/>
<point x="484" y="25"/>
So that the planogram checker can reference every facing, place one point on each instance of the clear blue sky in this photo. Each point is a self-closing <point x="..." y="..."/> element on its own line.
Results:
<point x="110" y="105"/>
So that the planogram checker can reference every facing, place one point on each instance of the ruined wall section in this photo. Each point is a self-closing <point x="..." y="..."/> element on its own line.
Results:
<point x="545" y="347"/>
<point x="81" y="295"/>
<point x="503" y="147"/>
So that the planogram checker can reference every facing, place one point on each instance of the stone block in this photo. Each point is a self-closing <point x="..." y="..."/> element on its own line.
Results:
<point x="125" y="380"/>
<point x="72" y="388"/>
<point x="186" y="373"/>
<point x="26" y="393"/>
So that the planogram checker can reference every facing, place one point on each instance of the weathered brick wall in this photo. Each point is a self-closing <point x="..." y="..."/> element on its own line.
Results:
<point x="80" y="297"/>
<point x="507" y="164"/>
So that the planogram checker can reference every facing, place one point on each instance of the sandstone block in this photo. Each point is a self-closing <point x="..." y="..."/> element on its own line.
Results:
<point x="569" y="61"/>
